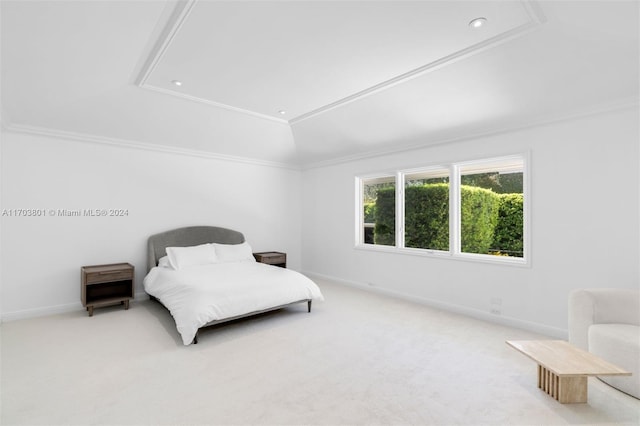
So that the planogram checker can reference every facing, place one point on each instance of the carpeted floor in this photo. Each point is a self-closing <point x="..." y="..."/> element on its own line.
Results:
<point x="357" y="359"/>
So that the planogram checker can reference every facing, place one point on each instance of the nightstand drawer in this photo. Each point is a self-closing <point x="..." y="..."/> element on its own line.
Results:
<point x="275" y="259"/>
<point x="108" y="276"/>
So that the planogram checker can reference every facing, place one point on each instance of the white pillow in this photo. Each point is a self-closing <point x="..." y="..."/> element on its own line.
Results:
<point x="163" y="262"/>
<point x="234" y="252"/>
<point x="182" y="257"/>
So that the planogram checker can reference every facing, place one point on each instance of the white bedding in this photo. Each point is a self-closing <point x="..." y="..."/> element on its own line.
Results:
<point x="199" y="294"/>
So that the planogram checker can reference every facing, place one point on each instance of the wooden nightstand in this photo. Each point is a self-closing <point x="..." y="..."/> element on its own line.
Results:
<point x="103" y="285"/>
<point x="274" y="258"/>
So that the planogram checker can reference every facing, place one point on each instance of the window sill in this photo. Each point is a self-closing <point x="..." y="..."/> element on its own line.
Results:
<point x="436" y="254"/>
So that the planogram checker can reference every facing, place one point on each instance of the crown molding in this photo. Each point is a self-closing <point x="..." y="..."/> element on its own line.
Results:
<point x="176" y="20"/>
<point x="605" y="108"/>
<point x="123" y="143"/>
<point x="619" y="105"/>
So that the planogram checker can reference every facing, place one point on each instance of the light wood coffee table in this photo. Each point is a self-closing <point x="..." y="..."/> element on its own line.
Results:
<point x="563" y="369"/>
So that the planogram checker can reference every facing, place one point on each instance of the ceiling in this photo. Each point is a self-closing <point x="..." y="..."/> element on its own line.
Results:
<point x="303" y="83"/>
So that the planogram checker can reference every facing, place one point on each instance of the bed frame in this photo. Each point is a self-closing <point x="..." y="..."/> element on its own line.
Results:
<point x="192" y="236"/>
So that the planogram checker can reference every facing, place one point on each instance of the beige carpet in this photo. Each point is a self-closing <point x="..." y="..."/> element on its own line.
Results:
<point x="358" y="359"/>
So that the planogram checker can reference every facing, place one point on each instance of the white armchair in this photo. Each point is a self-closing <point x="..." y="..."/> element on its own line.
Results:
<point x="606" y="322"/>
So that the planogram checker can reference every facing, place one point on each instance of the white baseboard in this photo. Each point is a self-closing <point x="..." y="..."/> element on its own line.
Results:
<point x="449" y="307"/>
<point x="41" y="312"/>
<point x="543" y="329"/>
<point x="54" y="310"/>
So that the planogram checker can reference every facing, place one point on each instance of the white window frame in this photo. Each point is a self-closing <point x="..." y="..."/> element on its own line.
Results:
<point x="455" y="239"/>
<point x="359" y="226"/>
<point x="402" y="178"/>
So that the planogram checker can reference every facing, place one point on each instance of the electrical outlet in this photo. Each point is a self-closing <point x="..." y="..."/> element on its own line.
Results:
<point x="496" y="306"/>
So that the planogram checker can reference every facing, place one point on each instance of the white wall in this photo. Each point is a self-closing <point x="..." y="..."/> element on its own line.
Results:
<point x="585" y="224"/>
<point x="42" y="256"/>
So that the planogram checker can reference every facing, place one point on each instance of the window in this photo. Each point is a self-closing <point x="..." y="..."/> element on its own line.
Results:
<point x="379" y="211"/>
<point x="474" y="210"/>
<point x="426" y="209"/>
<point x="491" y="208"/>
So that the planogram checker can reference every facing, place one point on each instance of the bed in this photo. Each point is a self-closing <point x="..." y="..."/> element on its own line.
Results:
<point x="207" y="275"/>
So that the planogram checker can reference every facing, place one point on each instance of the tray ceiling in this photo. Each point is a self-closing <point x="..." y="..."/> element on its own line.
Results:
<point x="288" y="61"/>
<point x="355" y="78"/>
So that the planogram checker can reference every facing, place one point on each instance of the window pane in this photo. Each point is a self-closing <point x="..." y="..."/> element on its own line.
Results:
<point x="379" y="205"/>
<point x="491" y="208"/>
<point x="426" y="210"/>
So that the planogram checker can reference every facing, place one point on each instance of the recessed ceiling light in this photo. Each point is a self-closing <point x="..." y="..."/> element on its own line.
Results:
<point x="478" y="22"/>
<point x="177" y="82"/>
<point x="282" y="112"/>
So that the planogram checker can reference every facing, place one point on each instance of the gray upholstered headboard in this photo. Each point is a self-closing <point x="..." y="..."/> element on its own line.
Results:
<point x="189" y="236"/>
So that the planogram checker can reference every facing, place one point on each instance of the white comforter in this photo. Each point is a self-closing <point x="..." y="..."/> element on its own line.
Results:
<point x="200" y="294"/>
